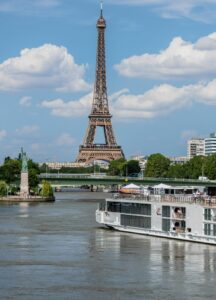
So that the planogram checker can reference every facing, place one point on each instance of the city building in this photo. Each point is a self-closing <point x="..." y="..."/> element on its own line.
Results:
<point x="178" y="160"/>
<point x="59" y="165"/>
<point x="195" y="147"/>
<point x="210" y="144"/>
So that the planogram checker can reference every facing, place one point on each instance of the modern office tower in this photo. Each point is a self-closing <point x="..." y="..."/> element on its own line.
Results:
<point x="195" y="147"/>
<point x="210" y="144"/>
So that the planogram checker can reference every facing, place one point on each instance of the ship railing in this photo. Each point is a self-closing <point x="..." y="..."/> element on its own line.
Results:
<point x="190" y="199"/>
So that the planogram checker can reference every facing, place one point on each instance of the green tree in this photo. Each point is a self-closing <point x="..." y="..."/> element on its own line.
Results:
<point x="47" y="190"/>
<point x="3" y="188"/>
<point x="176" y="171"/>
<point x="33" y="178"/>
<point x="210" y="167"/>
<point x="117" y="167"/>
<point x="11" y="170"/>
<point x="132" y="167"/>
<point x="195" y="167"/>
<point x="33" y="165"/>
<point x="157" y="166"/>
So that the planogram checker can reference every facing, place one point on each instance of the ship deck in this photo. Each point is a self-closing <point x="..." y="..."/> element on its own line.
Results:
<point x="167" y="198"/>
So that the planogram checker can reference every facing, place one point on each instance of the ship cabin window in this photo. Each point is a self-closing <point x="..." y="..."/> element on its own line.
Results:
<point x="166" y="211"/>
<point x="136" y="208"/>
<point x="129" y="208"/>
<point x="102" y="205"/>
<point x="136" y="221"/>
<point x="214" y="229"/>
<point x="210" y="229"/>
<point x="179" y="212"/>
<point x="114" y="206"/>
<point x="166" y="224"/>
<point x="207" y="229"/>
<point x="207" y="214"/>
<point x="179" y="226"/>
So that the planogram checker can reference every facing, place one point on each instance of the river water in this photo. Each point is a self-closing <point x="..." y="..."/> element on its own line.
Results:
<point x="58" y="251"/>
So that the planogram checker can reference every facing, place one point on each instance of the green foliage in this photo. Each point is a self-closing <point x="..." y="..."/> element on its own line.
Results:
<point x="33" y="165"/>
<point x="176" y="171"/>
<point x="157" y="166"/>
<point x="210" y="167"/>
<point x="34" y="171"/>
<point x="10" y="170"/>
<point x="14" y="190"/>
<point x="47" y="190"/>
<point x="33" y="178"/>
<point x="194" y="167"/>
<point x="133" y="167"/>
<point x="3" y="188"/>
<point x="117" y="167"/>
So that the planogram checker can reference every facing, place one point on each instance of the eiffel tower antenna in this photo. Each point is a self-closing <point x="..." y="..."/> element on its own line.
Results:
<point x="101" y="8"/>
<point x="100" y="115"/>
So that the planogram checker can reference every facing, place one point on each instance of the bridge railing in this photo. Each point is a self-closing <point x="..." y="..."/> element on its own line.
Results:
<point x="128" y="178"/>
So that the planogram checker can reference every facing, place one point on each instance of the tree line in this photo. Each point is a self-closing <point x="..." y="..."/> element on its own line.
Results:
<point x="160" y="166"/>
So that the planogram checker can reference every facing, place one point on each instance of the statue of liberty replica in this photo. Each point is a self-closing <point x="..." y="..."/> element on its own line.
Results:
<point x="24" y="184"/>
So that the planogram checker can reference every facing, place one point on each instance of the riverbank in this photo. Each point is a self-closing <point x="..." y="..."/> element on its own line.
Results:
<point x="18" y="199"/>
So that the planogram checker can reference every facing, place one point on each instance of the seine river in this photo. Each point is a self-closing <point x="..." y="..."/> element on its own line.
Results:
<point x="58" y="251"/>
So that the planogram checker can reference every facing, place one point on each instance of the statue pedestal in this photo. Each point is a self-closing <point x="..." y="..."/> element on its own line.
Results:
<point x="24" y="185"/>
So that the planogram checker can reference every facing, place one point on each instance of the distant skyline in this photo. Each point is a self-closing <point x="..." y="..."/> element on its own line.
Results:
<point x="161" y="74"/>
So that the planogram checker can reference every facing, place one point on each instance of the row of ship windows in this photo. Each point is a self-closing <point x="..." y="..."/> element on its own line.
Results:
<point x="145" y="222"/>
<point x="142" y="209"/>
<point x="129" y="208"/>
<point x="136" y="221"/>
<point x="145" y="209"/>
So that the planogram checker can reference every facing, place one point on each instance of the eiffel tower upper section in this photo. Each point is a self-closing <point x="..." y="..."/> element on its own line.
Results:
<point x="100" y="100"/>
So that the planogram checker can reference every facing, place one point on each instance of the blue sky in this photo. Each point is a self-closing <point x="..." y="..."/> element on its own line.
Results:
<point x="161" y="73"/>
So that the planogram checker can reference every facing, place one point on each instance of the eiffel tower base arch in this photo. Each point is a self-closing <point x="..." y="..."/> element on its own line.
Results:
<point x="88" y="154"/>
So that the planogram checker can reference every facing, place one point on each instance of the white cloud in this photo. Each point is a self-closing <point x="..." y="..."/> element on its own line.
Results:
<point x="65" y="140"/>
<point x="25" y="101"/>
<point x="164" y="99"/>
<point x="181" y="59"/>
<point x="203" y="10"/>
<point x="61" y="108"/>
<point x="27" y="130"/>
<point x="24" y="6"/>
<point x="159" y="101"/>
<point x="3" y="134"/>
<point x="48" y="66"/>
<point x="76" y="108"/>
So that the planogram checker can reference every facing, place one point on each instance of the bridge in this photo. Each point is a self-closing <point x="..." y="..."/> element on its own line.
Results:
<point x="101" y="179"/>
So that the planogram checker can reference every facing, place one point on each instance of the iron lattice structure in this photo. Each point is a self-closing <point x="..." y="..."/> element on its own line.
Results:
<point x="100" y="115"/>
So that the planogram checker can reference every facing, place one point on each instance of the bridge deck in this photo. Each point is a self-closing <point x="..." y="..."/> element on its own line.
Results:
<point x="74" y="179"/>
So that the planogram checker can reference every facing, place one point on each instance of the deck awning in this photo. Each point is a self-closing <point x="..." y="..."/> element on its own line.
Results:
<point x="162" y="186"/>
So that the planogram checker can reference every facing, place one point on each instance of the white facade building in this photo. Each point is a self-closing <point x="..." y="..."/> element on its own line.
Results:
<point x="59" y="165"/>
<point x="195" y="147"/>
<point x="210" y="144"/>
<point x="178" y="160"/>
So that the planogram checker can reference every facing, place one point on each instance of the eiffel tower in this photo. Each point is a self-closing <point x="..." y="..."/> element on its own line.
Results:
<point x="100" y="115"/>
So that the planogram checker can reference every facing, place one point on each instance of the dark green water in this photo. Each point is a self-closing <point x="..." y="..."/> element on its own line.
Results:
<point x="57" y="251"/>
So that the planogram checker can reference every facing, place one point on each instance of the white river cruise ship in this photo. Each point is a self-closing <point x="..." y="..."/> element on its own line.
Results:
<point x="180" y="217"/>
